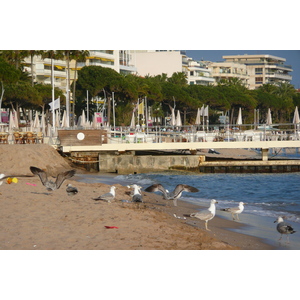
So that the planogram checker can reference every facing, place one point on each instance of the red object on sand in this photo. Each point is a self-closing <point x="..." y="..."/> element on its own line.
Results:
<point x="33" y="184"/>
<point x="110" y="227"/>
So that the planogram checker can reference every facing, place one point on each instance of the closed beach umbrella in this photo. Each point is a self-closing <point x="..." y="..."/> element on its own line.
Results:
<point x="178" y="119"/>
<point x="16" y="119"/>
<point x="43" y="124"/>
<point x="296" y="119"/>
<point x="132" y="123"/>
<point x="239" y="119"/>
<point x="64" y="120"/>
<point x="198" y="120"/>
<point x="173" y="119"/>
<point x="36" y="122"/>
<point x="269" y="117"/>
<point x="11" y="121"/>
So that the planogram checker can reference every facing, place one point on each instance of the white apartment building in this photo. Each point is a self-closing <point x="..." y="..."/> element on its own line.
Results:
<point x="199" y="73"/>
<point x="263" y="68"/>
<point x="118" y="60"/>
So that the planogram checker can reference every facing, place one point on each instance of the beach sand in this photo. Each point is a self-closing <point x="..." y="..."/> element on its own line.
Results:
<point x="34" y="219"/>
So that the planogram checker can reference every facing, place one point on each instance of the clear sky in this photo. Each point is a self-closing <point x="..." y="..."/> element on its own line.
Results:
<point x="292" y="58"/>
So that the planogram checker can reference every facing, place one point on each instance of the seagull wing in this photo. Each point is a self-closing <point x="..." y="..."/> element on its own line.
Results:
<point x="183" y="188"/>
<point x="42" y="174"/>
<point x="157" y="188"/>
<point x="137" y="198"/>
<point x="106" y="197"/>
<point x="63" y="176"/>
<point x="71" y="189"/>
<point x="203" y="215"/>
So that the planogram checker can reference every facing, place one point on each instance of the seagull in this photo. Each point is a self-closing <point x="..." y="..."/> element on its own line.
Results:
<point x="284" y="228"/>
<point x="235" y="210"/>
<point x="137" y="196"/>
<point x="176" y="194"/>
<point x="71" y="190"/>
<point x="206" y="214"/>
<point x="108" y="196"/>
<point x="2" y="176"/>
<point x="133" y="186"/>
<point x="50" y="185"/>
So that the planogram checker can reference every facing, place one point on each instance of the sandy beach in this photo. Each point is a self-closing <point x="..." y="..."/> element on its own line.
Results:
<point x="34" y="219"/>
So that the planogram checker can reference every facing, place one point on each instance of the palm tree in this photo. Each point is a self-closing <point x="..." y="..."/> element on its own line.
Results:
<point x="33" y="53"/>
<point x="78" y="56"/>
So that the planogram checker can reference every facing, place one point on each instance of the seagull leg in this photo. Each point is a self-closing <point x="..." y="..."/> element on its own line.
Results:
<point x="175" y="202"/>
<point x="237" y="216"/>
<point x="232" y="216"/>
<point x="206" y="226"/>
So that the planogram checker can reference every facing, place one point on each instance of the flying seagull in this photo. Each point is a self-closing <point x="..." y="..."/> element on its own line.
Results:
<point x="235" y="210"/>
<point x="49" y="184"/>
<point x="206" y="214"/>
<point x="176" y="194"/>
<point x="108" y="196"/>
<point x="284" y="228"/>
<point x="71" y="190"/>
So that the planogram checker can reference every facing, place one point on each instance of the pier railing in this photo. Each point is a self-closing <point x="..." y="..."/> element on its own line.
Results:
<point x="192" y="134"/>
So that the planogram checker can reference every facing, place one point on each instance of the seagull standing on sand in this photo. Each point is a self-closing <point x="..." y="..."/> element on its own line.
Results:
<point x="71" y="190"/>
<point x="284" y="228"/>
<point x="137" y="196"/>
<point x="108" y="197"/>
<point x="50" y="185"/>
<point x="206" y="214"/>
<point x="176" y="194"/>
<point x="235" y="210"/>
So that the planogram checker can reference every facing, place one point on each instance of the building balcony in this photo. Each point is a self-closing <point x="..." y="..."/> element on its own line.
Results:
<point x="105" y="54"/>
<point x="278" y="76"/>
<point x="47" y="73"/>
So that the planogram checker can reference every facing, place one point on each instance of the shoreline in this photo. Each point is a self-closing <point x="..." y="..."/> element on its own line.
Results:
<point x="222" y="228"/>
<point x="34" y="219"/>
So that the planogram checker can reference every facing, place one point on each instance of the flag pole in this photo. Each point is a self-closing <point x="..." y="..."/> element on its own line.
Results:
<point x="52" y="79"/>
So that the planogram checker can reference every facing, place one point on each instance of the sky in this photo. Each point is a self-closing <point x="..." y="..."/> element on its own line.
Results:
<point x="292" y="58"/>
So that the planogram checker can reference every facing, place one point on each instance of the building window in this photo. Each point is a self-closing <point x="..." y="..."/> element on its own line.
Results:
<point x="258" y="71"/>
<point x="191" y="73"/>
<point x="258" y="80"/>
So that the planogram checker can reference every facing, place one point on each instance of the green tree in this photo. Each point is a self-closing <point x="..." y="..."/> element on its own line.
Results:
<point x="77" y="56"/>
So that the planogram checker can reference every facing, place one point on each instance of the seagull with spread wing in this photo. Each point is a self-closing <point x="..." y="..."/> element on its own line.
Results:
<point x="49" y="184"/>
<point x="176" y="194"/>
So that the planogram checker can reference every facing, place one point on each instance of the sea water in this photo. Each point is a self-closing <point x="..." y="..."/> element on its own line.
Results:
<point x="267" y="196"/>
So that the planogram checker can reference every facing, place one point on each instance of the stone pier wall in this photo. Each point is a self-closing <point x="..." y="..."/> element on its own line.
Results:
<point x="132" y="164"/>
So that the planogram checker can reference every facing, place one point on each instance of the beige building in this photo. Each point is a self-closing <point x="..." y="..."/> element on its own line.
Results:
<point x="157" y="62"/>
<point x="231" y="69"/>
<point x="262" y="68"/>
